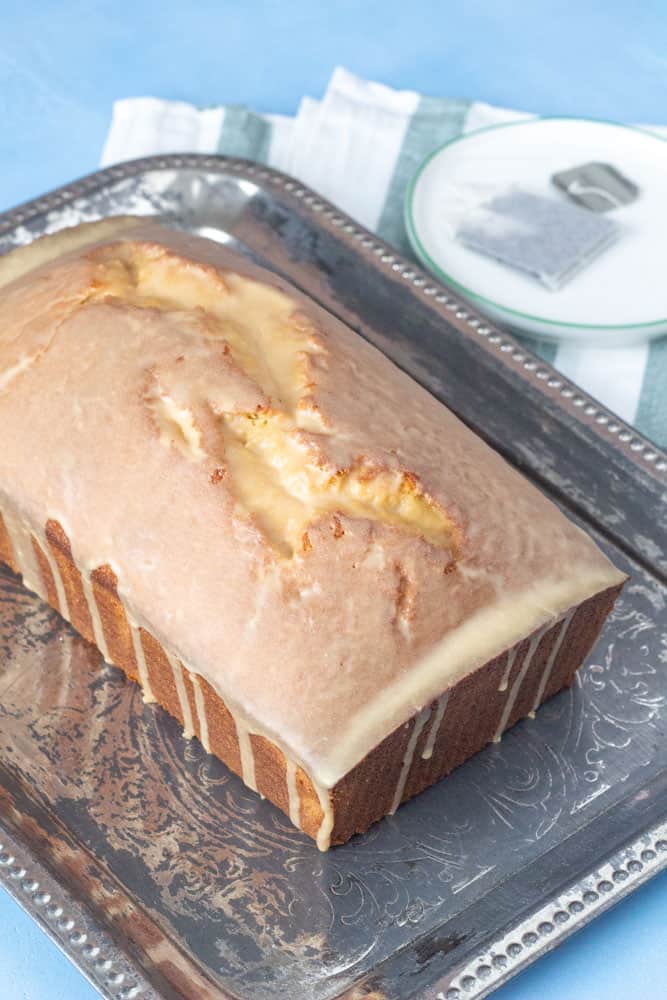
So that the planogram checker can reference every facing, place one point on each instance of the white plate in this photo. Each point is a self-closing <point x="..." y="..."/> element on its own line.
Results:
<point x="619" y="297"/>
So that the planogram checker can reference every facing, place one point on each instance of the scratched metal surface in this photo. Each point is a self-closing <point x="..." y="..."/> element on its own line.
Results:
<point x="202" y="889"/>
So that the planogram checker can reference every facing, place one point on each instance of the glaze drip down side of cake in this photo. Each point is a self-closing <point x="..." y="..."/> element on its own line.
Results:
<point x="299" y="553"/>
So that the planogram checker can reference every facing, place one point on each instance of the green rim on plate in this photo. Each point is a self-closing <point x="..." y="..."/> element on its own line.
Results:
<point x="435" y="268"/>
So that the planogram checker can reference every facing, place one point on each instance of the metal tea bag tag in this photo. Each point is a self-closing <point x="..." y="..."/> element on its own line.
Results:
<point x="597" y="186"/>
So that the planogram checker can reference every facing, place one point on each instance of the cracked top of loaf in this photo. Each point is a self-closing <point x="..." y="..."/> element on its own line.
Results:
<point x="288" y="512"/>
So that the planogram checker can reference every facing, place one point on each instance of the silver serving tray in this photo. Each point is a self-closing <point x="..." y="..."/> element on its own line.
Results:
<point x="152" y="866"/>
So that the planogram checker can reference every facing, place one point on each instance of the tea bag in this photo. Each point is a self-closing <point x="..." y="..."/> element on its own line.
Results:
<point x="547" y="239"/>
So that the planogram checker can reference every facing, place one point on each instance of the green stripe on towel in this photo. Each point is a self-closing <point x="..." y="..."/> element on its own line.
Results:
<point x="245" y="134"/>
<point x="651" y="418"/>
<point x="433" y="123"/>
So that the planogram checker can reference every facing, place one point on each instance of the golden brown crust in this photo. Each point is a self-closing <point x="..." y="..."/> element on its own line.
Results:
<point x="367" y="792"/>
<point x="60" y="547"/>
<point x="221" y="729"/>
<point x="6" y="551"/>
<point x="116" y="627"/>
<point x="270" y="772"/>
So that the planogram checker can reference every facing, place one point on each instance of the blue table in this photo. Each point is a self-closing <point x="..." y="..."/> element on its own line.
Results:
<point x="61" y="66"/>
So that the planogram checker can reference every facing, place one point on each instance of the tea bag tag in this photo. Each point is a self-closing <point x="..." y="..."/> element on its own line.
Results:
<point x="597" y="186"/>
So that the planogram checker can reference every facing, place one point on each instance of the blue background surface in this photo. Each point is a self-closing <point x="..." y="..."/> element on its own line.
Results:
<point x="63" y="63"/>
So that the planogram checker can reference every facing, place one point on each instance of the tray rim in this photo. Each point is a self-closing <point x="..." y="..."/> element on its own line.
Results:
<point x="74" y="929"/>
<point x="113" y="973"/>
<point x="544" y="929"/>
<point x="68" y="923"/>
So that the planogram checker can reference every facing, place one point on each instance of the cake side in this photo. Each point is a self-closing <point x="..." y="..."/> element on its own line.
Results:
<point x="475" y="711"/>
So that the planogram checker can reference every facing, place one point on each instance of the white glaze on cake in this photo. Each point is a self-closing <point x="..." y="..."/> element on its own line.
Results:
<point x="140" y="660"/>
<point x="20" y="537"/>
<point x="434" y="728"/>
<point x="553" y="655"/>
<point x="323" y="839"/>
<point x="94" y="612"/>
<point x="201" y="713"/>
<point x="293" y="792"/>
<point x="509" y="663"/>
<point x="417" y="726"/>
<point x="61" y="594"/>
<point x="348" y="563"/>
<point x="181" y="691"/>
<point x="513" y="693"/>
<point x="246" y="752"/>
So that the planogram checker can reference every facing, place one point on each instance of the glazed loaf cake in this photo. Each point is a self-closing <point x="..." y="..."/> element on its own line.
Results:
<point x="292" y="547"/>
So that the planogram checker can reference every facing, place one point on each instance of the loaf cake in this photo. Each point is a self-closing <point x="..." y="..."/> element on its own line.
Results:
<point x="289" y="544"/>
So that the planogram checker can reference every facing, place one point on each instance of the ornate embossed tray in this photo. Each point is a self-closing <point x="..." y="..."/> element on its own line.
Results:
<point x="152" y="866"/>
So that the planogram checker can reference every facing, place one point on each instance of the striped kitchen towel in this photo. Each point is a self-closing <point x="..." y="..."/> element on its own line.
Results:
<point x="359" y="146"/>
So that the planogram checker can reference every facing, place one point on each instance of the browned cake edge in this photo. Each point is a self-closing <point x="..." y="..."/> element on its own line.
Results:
<point x="426" y="748"/>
